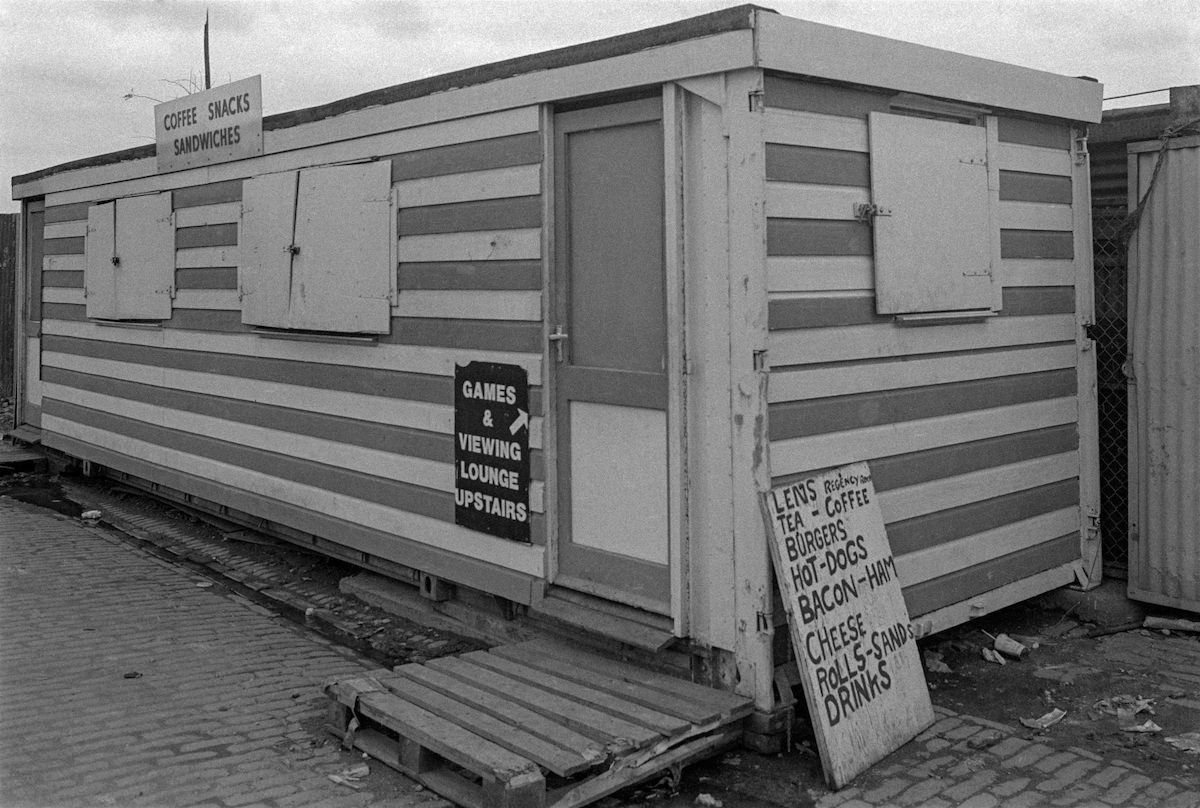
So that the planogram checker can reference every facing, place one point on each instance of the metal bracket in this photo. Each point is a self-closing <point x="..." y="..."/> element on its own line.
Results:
<point x="756" y="100"/>
<point x="1080" y="149"/>
<point x="866" y="212"/>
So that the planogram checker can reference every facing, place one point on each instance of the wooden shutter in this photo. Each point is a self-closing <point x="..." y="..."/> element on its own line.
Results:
<point x="99" y="280"/>
<point x="129" y="268"/>
<point x="265" y="260"/>
<point x="933" y="232"/>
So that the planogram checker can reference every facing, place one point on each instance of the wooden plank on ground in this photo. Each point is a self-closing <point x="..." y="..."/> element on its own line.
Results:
<point x="693" y="711"/>
<point x="450" y="741"/>
<point x="507" y="710"/>
<point x="579" y="717"/>
<point x="727" y="702"/>
<point x="510" y="736"/>
<point x="613" y="705"/>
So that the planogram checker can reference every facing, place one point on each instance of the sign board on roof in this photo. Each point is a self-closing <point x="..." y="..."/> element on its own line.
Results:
<point x="491" y="449"/>
<point x="850" y="633"/>
<point x="215" y="126"/>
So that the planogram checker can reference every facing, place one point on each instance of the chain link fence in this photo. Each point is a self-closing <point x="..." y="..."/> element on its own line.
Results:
<point x="1110" y="266"/>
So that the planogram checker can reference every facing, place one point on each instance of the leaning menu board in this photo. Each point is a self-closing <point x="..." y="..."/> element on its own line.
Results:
<point x="850" y="631"/>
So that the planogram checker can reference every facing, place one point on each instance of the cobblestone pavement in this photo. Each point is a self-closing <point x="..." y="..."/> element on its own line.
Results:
<point x="126" y="681"/>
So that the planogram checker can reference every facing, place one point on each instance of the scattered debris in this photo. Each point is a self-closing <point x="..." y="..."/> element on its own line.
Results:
<point x="1125" y="703"/>
<point x="1145" y="726"/>
<point x="732" y="760"/>
<point x="992" y="656"/>
<point x="133" y="675"/>
<point x="934" y="663"/>
<point x="351" y="776"/>
<point x="708" y="801"/>
<point x="203" y="584"/>
<point x="1066" y="673"/>
<point x="1171" y="624"/>
<point x="1046" y="721"/>
<point x="1104" y="631"/>
<point x="91" y="516"/>
<point x="1060" y="628"/>
<point x="1189" y="742"/>
<point x="1010" y="647"/>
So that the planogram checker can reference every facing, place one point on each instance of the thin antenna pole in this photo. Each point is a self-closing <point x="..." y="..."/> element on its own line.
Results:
<point x="207" y="72"/>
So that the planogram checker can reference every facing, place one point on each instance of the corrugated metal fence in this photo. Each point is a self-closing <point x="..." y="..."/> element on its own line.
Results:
<point x="8" y="300"/>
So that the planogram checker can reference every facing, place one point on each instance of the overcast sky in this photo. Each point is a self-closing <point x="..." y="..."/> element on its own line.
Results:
<point x="66" y="66"/>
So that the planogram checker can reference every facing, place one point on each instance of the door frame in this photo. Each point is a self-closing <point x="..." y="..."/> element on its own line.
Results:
<point x="677" y="325"/>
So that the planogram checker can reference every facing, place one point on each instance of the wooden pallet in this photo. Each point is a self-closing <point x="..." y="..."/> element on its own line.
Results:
<point x="533" y="725"/>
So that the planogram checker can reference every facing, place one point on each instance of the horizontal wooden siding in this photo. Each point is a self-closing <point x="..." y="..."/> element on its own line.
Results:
<point x="354" y="436"/>
<point x="970" y="428"/>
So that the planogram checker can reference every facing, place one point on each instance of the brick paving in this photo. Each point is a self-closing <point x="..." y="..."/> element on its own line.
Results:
<point x="126" y="681"/>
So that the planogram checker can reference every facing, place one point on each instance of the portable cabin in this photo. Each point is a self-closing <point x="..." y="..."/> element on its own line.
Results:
<point x="1146" y="224"/>
<point x="724" y="253"/>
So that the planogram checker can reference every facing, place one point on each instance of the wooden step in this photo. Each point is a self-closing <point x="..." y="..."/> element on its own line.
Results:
<point x="531" y="725"/>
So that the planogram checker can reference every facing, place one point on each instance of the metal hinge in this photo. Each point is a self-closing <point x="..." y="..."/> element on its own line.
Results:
<point x="866" y="212"/>
<point x="756" y="100"/>
<point x="1080" y="149"/>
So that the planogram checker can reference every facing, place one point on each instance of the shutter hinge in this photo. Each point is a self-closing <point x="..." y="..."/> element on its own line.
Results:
<point x="756" y="100"/>
<point x="1080" y="149"/>
<point x="866" y="212"/>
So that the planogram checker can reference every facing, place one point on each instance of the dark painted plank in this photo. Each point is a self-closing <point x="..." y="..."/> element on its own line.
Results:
<point x="228" y="322"/>
<point x="818" y="166"/>
<point x="934" y="529"/>
<point x="403" y="496"/>
<point x="63" y="246"/>
<point x="1025" y="186"/>
<point x="208" y="235"/>
<point x="819" y="416"/>
<point x="477" y="155"/>
<point x="1034" y="133"/>
<point x="496" y="335"/>
<point x="958" y="586"/>
<point x="482" y="214"/>
<point x="63" y="279"/>
<point x="1037" y="244"/>
<point x="618" y="387"/>
<point x="822" y="312"/>
<point x="1022" y="301"/>
<point x="63" y="311"/>
<point x="818" y="237"/>
<point x="206" y="278"/>
<point x="34" y="232"/>
<point x="828" y="99"/>
<point x="213" y="193"/>
<point x="498" y="275"/>
<point x="75" y="212"/>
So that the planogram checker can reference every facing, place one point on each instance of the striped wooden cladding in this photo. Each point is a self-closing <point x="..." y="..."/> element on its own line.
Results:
<point x="970" y="428"/>
<point x="362" y="432"/>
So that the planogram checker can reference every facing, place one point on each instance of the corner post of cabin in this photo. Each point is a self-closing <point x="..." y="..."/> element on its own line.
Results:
<point x="748" y="394"/>
<point x="20" y="314"/>
<point x="1089" y="427"/>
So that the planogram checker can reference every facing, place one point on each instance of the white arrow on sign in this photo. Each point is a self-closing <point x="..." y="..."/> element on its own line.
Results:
<point x="522" y="420"/>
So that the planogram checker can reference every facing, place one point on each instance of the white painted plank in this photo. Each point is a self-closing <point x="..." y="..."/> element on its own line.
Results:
<point x="376" y="409"/>
<point x="840" y="344"/>
<point x="387" y="465"/>
<point x="496" y="183"/>
<point x="933" y="562"/>
<point x="526" y="558"/>
<point x="469" y="304"/>
<point x="795" y="128"/>
<point x="1035" y="216"/>
<point x="1034" y="159"/>
<point x="65" y="229"/>
<point x="499" y="245"/>
<point x="952" y="492"/>
<point x="993" y="600"/>
<point x="206" y="257"/>
<point x="812" y="273"/>
<point x="797" y="455"/>
<point x="33" y="371"/>
<point x="804" y="383"/>
<point x="64" y="263"/>
<point x="794" y="200"/>
<point x="74" y="297"/>
<point x="221" y="213"/>
<point x="411" y="358"/>
<point x="215" y="299"/>
<point x="1037" y="272"/>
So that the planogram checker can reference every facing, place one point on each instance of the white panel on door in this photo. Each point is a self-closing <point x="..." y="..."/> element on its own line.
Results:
<point x="933" y="234"/>
<point x="619" y="480"/>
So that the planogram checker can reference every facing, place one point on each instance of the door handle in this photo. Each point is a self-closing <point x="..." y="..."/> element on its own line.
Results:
<point x="558" y="337"/>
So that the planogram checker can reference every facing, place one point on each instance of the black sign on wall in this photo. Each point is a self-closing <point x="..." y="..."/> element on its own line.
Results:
<point x="491" y="449"/>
